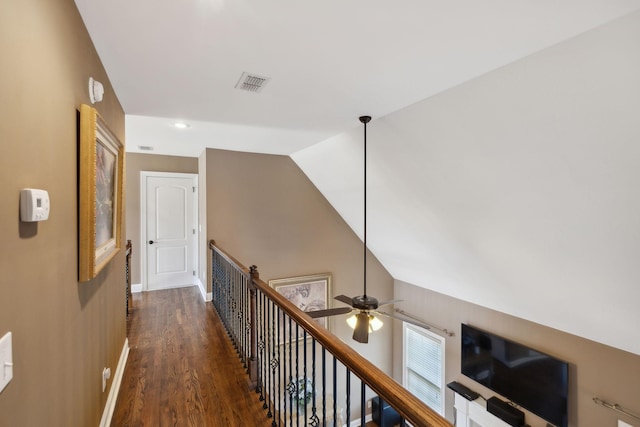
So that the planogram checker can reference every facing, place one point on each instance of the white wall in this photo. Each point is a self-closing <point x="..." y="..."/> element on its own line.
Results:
<point x="517" y="191"/>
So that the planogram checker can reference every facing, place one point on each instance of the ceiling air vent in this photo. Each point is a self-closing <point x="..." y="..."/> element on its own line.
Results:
<point x="252" y="82"/>
<point x="145" y="147"/>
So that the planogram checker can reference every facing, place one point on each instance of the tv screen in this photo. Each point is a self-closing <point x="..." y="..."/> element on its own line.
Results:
<point x="531" y="379"/>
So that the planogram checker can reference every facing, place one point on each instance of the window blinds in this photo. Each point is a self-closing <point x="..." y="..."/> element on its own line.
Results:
<point x="424" y="359"/>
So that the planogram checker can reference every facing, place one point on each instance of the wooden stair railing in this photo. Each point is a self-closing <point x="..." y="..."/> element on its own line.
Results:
<point x="251" y="310"/>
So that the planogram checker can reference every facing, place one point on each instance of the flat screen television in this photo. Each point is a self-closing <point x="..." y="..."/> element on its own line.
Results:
<point x="531" y="379"/>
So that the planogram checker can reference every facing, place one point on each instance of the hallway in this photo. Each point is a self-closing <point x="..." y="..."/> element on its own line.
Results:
<point x="182" y="369"/>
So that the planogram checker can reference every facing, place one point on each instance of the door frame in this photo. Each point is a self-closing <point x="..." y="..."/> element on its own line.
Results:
<point x="143" y="221"/>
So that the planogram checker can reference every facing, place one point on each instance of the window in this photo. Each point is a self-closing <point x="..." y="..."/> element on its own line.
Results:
<point x="423" y="365"/>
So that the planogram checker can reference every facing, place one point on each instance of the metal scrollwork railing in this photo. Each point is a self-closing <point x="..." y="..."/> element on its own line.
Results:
<point x="301" y="372"/>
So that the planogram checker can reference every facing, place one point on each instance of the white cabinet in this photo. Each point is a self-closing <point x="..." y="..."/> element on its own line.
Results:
<point x="474" y="414"/>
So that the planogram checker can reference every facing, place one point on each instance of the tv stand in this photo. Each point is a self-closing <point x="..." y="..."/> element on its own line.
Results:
<point x="474" y="413"/>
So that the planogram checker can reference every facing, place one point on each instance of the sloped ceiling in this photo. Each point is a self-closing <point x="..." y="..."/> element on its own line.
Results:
<point x="517" y="191"/>
<point x="503" y="151"/>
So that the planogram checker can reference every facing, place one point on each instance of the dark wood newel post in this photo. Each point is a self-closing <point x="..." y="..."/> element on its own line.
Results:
<point x="253" y="360"/>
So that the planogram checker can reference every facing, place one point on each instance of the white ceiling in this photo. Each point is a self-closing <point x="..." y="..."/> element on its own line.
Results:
<point x="503" y="149"/>
<point x="330" y="61"/>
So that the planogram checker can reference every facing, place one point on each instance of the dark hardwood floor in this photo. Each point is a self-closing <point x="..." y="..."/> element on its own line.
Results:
<point x="182" y="369"/>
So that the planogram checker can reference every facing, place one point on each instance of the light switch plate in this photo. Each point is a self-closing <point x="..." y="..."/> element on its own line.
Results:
<point x="6" y="361"/>
<point x="623" y="424"/>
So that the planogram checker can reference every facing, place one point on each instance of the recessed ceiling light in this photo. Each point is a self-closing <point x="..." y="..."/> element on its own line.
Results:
<point x="181" y="125"/>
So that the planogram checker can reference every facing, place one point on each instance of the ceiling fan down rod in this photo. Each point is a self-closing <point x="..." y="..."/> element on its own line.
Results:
<point x="364" y="120"/>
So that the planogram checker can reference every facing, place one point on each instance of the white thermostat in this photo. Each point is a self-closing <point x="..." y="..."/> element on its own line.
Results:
<point x="34" y="205"/>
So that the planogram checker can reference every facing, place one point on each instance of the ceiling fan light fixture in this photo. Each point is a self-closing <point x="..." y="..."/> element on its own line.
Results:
<point x="374" y="323"/>
<point x="351" y="321"/>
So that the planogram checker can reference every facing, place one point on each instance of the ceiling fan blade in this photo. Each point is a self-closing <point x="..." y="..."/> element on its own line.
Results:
<point x="393" y="301"/>
<point x="329" y="312"/>
<point x="361" y="331"/>
<point x="345" y="299"/>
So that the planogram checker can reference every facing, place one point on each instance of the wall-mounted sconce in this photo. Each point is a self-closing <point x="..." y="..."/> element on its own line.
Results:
<point x="96" y="90"/>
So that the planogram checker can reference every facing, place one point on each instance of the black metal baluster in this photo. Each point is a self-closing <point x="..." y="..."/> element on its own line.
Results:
<point x="260" y="346"/>
<point x="225" y="298"/>
<point x="270" y="353"/>
<point x="348" y="395"/>
<point x="234" y="306"/>
<point x="291" y="384"/>
<point x="243" y="321"/>
<point x="223" y="305"/>
<point x="237" y="284"/>
<point x="362" y="402"/>
<point x="314" y="409"/>
<point x="304" y="367"/>
<point x="246" y="321"/>
<point x="324" y="387"/>
<point x="297" y="335"/>
<point x="285" y="363"/>
<point x="240" y="315"/>
<point x="218" y="286"/>
<point x="265" y="340"/>
<point x="277" y="398"/>
<point x="335" y="390"/>
<point x="214" y="285"/>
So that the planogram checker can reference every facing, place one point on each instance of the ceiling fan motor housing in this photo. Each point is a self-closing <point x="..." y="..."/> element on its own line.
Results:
<point x="364" y="302"/>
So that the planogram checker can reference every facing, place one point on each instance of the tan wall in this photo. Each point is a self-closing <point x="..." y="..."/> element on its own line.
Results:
<point x="64" y="332"/>
<point x="137" y="163"/>
<point x="263" y="210"/>
<point x="595" y="370"/>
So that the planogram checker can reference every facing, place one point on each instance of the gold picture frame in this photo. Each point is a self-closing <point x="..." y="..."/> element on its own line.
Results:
<point x="308" y="293"/>
<point x="101" y="174"/>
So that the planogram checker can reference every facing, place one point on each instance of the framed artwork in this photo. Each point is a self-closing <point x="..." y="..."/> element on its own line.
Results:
<point x="101" y="173"/>
<point x="308" y="293"/>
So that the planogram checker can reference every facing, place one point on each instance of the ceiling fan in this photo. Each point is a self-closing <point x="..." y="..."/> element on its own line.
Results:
<point x="365" y="306"/>
<point x="364" y="321"/>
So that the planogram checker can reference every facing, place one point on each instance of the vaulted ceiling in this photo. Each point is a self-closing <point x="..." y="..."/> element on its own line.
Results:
<point x="503" y="150"/>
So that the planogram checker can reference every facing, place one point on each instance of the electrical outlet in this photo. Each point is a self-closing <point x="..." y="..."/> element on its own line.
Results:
<point x="106" y="374"/>
<point x="369" y="404"/>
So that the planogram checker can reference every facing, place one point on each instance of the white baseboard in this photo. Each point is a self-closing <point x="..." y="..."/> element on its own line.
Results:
<point x="115" y="387"/>
<point x="356" y="423"/>
<point x="206" y="296"/>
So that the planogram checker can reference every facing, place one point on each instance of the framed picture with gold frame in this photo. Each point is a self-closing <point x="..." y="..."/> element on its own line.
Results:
<point x="308" y="293"/>
<point x="101" y="174"/>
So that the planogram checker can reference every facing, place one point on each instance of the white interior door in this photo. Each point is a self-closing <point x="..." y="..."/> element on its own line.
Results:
<point x="169" y="235"/>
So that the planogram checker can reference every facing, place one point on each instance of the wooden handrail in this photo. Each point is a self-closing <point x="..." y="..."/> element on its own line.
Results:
<point x="405" y="403"/>
<point x="229" y="258"/>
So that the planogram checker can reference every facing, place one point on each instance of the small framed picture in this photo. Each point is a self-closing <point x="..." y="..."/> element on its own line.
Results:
<point x="308" y="293"/>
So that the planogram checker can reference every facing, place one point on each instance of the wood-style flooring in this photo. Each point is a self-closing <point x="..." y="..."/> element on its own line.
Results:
<point x="182" y="369"/>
